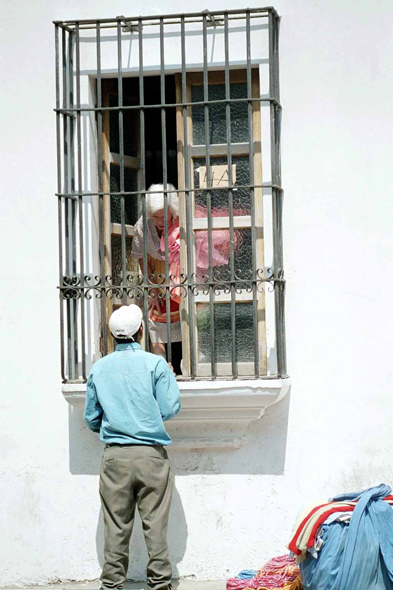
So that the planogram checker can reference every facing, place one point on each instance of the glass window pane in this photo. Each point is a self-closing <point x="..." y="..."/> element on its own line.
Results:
<point x="131" y="201"/>
<point x="131" y="264"/>
<point x="217" y="114"/>
<point x="130" y="128"/>
<point x="241" y="196"/>
<point x="221" y="254"/>
<point x="223" y="336"/>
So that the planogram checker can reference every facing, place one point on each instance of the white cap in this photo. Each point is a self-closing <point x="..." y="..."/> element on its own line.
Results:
<point x="125" y="321"/>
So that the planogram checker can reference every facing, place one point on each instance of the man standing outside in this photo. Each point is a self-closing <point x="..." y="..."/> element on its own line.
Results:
<point x="130" y="393"/>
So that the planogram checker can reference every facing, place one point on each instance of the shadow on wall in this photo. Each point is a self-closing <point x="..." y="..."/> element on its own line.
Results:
<point x="177" y="537"/>
<point x="263" y="453"/>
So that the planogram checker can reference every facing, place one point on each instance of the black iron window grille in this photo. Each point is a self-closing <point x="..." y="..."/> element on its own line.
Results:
<point x="190" y="102"/>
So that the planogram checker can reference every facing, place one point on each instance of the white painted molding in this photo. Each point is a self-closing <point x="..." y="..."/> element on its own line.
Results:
<point x="215" y="414"/>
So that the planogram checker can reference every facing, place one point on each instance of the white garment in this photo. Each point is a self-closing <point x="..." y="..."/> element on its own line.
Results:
<point x="153" y="240"/>
<point x="158" y="332"/>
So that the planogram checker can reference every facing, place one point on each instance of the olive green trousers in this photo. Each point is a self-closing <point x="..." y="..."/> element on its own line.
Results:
<point x="136" y="476"/>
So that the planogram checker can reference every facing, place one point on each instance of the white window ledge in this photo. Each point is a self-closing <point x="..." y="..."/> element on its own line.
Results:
<point x="215" y="414"/>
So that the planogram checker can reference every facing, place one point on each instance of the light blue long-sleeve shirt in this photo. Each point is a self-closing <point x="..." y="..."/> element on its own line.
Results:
<point x="130" y="393"/>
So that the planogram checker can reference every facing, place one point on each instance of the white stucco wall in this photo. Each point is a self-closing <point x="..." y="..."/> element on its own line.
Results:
<point x="232" y="509"/>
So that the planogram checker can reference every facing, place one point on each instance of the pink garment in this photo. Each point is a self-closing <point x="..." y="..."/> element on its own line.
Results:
<point x="173" y="257"/>
<point x="220" y="239"/>
<point x="220" y="246"/>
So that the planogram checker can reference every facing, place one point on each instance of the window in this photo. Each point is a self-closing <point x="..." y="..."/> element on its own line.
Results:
<point x="230" y="216"/>
<point x="188" y="105"/>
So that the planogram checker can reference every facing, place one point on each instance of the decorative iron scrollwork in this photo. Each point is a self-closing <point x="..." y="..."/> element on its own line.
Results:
<point x="134" y="285"/>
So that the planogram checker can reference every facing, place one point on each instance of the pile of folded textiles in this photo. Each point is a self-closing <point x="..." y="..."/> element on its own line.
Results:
<point x="347" y="542"/>
<point x="280" y="573"/>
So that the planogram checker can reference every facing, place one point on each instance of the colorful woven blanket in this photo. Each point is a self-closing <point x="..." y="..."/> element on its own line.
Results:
<point x="280" y="573"/>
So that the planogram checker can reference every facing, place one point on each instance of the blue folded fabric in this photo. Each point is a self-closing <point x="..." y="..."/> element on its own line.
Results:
<point x="358" y="556"/>
<point x="247" y="574"/>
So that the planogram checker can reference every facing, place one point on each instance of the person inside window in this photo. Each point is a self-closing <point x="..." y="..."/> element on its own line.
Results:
<point x="155" y="239"/>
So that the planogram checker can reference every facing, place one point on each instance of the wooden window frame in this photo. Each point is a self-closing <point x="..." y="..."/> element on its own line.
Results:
<point x="239" y="222"/>
<point x="111" y="229"/>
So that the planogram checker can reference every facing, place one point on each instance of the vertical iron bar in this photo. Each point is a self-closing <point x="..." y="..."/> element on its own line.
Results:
<point x="277" y="97"/>
<point x="72" y="209"/>
<point x="277" y="298"/>
<point x="252" y="193"/>
<point x="165" y="182"/>
<point x="67" y="203"/>
<point x="189" y="215"/>
<point x="230" y="198"/>
<point x="277" y="56"/>
<point x="209" y="200"/>
<point x="279" y="285"/>
<point x="121" y="151"/>
<point x="143" y="188"/>
<point x="59" y="202"/>
<point x="80" y="203"/>
<point x="277" y="196"/>
<point x="100" y="189"/>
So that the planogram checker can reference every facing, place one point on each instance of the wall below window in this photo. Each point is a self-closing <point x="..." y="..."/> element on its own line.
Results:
<point x="233" y="508"/>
